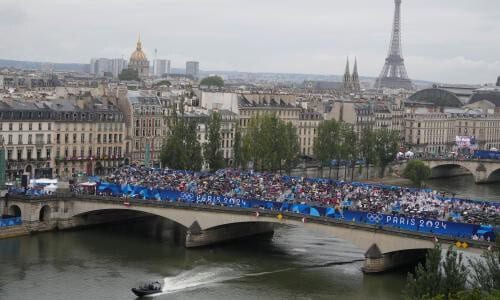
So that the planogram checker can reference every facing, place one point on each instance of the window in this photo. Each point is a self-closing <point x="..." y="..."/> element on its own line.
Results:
<point x="39" y="126"/>
<point x="47" y="153"/>
<point x="49" y="138"/>
<point x="58" y="138"/>
<point x="74" y="138"/>
<point x="38" y="153"/>
<point x="10" y="126"/>
<point x="66" y="138"/>
<point x="99" y="138"/>
<point x="49" y="125"/>
<point x="82" y="138"/>
<point x="20" y="139"/>
<point x="29" y="154"/>
<point x="30" y="126"/>
<point x="9" y="154"/>
<point x="19" y="154"/>
<point x="20" y="126"/>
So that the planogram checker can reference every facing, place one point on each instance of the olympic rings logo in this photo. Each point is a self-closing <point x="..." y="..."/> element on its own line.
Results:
<point x="374" y="217"/>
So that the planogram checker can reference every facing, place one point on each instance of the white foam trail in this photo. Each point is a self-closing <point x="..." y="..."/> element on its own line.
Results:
<point x="197" y="277"/>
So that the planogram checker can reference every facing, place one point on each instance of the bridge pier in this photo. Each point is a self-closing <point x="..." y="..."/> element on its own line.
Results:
<point x="376" y="262"/>
<point x="196" y="237"/>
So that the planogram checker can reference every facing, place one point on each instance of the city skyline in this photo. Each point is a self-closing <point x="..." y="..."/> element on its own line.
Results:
<point x="236" y="35"/>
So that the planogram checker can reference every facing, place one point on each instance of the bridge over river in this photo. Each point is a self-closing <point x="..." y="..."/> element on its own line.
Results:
<point x="484" y="171"/>
<point x="383" y="237"/>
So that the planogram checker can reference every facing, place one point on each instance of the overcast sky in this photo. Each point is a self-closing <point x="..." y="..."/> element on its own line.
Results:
<point x="456" y="41"/>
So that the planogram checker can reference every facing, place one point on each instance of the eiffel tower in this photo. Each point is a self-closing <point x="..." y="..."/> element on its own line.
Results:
<point x="393" y="75"/>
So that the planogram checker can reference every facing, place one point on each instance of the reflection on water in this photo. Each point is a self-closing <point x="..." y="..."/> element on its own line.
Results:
<point x="104" y="263"/>
<point x="464" y="187"/>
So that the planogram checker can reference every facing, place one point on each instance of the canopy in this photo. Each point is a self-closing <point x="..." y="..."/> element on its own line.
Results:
<point x="43" y="181"/>
<point x="51" y="187"/>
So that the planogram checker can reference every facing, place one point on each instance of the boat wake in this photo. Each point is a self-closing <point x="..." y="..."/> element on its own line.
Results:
<point x="205" y="276"/>
<point x="197" y="277"/>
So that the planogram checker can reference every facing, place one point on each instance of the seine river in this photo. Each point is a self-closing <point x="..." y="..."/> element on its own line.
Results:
<point x="105" y="262"/>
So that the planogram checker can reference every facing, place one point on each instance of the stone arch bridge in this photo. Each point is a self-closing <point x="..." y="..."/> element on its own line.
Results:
<point x="484" y="171"/>
<point x="386" y="248"/>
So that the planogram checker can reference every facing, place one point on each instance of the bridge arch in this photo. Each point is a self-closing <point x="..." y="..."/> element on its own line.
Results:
<point x="450" y="169"/>
<point x="494" y="176"/>
<point x="15" y="211"/>
<point x="44" y="214"/>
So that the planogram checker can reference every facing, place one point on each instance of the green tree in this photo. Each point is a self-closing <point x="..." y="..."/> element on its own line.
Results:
<point x="366" y="147"/>
<point x="348" y="146"/>
<point x="486" y="271"/>
<point x="417" y="172"/>
<point x="129" y="74"/>
<point x="326" y="145"/>
<point x="290" y="149"/>
<point x="238" y="149"/>
<point x="212" y="81"/>
<point x="441" y="279"/>
<point x="181" y="149"/>
<point x="427" y="279"/>
<point x="270" y="143"/>
<point x="386" y="147"/>
<point x="212" y="149"/>
<point x="194" y="158"/>
<point x="163" y="82"/>
<point x="454" y="273"/>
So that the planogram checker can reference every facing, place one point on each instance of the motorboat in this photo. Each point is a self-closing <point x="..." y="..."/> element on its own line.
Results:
<point x="149" y="288"/>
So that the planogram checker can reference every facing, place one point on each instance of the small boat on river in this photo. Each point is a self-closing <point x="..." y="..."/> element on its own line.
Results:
<point x="148" y="289"/>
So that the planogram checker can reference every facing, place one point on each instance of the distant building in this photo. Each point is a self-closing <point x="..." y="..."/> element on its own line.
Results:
<point x="161" y="67"/>
<point x="61" y="137"/>
<point x="100" y="66"/>
<point x="148" y="127"/>
<point x="498" y="81"/>
<point x="139" y="61"/>
<point x="350" y="83"/>
<point x="193" y="69"/>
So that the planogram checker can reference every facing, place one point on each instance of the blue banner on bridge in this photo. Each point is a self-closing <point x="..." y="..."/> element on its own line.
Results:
<point x="415" y="224"/>
<point x="10" y="222"/>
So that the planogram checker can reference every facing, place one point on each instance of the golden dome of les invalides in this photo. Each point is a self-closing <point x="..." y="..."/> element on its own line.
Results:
<point x="138" y="54"/>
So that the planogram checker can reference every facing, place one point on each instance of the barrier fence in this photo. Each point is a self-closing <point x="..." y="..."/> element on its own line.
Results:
<point x="10" y="222"/>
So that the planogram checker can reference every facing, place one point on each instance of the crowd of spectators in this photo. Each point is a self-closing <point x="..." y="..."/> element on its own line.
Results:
<point x="317" y="192"/>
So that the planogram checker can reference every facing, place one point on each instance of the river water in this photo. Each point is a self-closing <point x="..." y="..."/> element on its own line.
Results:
<point x="105" y="262"/>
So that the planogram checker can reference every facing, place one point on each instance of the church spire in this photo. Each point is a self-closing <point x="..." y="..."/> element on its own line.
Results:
<point x="347" y="78"/>
<point x="139" y="44"/>
<point x="355" y="77"/>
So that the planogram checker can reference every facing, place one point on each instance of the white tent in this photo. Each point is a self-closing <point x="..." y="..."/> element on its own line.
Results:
<point x="43" y="181"/>
<point x="409" y="154"/>
<point x="51" y="188"/>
